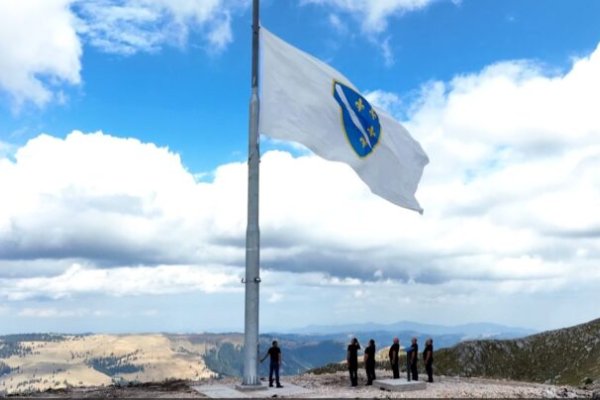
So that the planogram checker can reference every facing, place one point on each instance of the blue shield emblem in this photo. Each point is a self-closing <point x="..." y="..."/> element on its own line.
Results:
<point x="360" y="120"/>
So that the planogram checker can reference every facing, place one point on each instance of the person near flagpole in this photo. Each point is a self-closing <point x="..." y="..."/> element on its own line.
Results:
<point x="274" y="353"/>
<point x="369" y="358"/>
<point x="428" y="359"/>
<point x="414" y="357"/>
<point x="352" y="361"/>
<point x="394" y="358"/>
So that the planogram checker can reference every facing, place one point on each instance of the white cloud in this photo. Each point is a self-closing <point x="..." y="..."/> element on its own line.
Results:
<point x="68" y="202"/>
<point x="123" y="281"/>
<point x="389" y="102"/>
<point x="83" y="195"/>
<point x="275" y="297"/>
<point x="373" y="14"/>
<point x="388" y="54"/>
<point x="50" y="312"/>
<point x="336" y="23"/>
<point x="40" y="50"/>
<point x="516" y="144"/>
<point x="147" y="25"/>
<point x="41" y="40"/>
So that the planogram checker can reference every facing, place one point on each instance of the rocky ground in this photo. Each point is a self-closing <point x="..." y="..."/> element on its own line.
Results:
<point x="335" y="385"/>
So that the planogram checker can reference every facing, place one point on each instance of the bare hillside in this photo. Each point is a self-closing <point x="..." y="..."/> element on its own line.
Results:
<point x="40" y="362"/>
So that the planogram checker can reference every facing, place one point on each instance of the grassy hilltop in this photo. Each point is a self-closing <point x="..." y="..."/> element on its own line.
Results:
<point x="569" y="356"/>
<point x="563" y="356"/>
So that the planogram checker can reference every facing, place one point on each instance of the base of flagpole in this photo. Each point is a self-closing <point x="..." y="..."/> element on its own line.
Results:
<point x="250" y="388"/>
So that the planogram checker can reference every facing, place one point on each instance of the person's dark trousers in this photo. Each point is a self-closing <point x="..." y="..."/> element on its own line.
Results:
<point x="429" y="369"/>
<point x="353" y="370"/>
<point x="274" y="367"/>
<point x="414" y="371"/>
<point x="370" y="373"/>
<point x="396" y="370"/>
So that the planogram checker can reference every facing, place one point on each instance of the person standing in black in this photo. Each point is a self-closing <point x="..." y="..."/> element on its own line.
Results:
<point x="408" y="358"/>
<point x="428" y="359"/>
<point x="394" y="359"/>
<point x="370" y="362"/>
<point x="414" y="357"/>
<point x="352" y="360"/>
<point x="275" y="353"/>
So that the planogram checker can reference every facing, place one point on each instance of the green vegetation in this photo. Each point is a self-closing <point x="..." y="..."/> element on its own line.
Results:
<point x="9" y="349"/>
<point x="564" y="356"/>
<point x="567" y="356"/>
<point x="12" y="345"/>
<point x="114" y="365"/>
<point x="225" y="359"/>
<point x="32" y="337"/>
<point x="4" y="369"/>
<point x="298" y="356"/>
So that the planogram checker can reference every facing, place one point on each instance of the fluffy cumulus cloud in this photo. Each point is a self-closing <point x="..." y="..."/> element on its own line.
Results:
<point x="40" y="50"/>
<point x="41" y="41"/>
<point x="510" y="200"/>
<point x="86" y="197"/>
<point x="517" y="144"/>
<point x="390" y="102"/>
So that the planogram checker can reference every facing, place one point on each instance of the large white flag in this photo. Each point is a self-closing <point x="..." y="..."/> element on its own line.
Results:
<point x="306" y="101"/>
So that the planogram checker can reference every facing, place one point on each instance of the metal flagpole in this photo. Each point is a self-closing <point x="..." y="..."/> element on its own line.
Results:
<point x="252" y="280"/>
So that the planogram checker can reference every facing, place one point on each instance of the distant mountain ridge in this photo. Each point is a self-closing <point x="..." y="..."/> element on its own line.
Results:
<point x="472" y="330"/>
<point x="563" y="356"/>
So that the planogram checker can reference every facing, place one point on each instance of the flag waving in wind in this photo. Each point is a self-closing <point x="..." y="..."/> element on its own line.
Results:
<point x="306" y="101"/>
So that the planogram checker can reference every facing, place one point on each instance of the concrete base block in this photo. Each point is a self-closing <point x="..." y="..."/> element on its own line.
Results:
<point x="250" y="388"/>
<point x="219" y="392"/>
<point x="250" y="391"/>
<point x="399" y="385"/>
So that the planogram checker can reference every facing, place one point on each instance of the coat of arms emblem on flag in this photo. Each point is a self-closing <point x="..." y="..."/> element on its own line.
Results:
<point x="359" y="118"/>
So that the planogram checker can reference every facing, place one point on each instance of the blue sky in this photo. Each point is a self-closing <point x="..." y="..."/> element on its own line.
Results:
<point x="123" y="139"/>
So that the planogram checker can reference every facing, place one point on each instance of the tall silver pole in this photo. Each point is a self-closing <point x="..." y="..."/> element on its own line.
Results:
<point x="252" y="280"/>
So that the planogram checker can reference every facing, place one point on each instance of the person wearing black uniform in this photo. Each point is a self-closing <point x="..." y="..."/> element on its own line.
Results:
<point x="428" y="359"/>
<point x="393" y="355"/>
<point x="414" y="357"/>
<point x="352" y="360"/>
<point x="370" y="362"/>
<point x="275" y="353"/>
